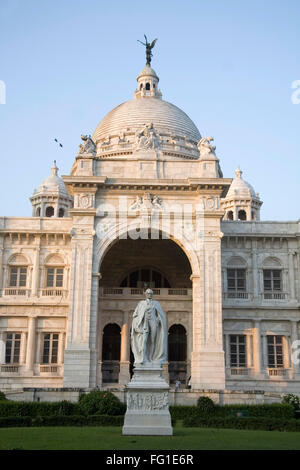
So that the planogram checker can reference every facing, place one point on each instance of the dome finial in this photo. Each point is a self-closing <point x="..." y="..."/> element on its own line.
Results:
<point x="238" y="172"/>
<point x="54" y="169"/>
<point x="149" y="48"/>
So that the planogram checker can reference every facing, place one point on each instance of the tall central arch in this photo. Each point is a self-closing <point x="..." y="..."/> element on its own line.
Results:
<point x="165" y="267"/>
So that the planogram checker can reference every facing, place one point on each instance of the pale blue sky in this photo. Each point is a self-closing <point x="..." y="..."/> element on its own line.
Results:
<point x="228" y="64"/>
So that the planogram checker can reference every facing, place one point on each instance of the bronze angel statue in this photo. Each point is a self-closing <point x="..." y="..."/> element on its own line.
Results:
<point x="149" y="48"/>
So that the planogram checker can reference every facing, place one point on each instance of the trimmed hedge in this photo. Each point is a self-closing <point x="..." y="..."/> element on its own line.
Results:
<point x="33" y="409"/>
<point x="254" y="423"/>
<point x="273" y="410"/>
<point x="75" y="420"/>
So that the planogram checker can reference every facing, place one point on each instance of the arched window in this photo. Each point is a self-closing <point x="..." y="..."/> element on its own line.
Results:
<point x="242" y="215"/>
<point x="141" y="86"/>
<point x="61" y="212"/>
<point x="38" y="212"/>
<point x="145" y="277"/>
<point x="111" y="347"/>
<point x="54" y="274"/>
<point x="49" y="211"/>
<point x="147" y="86"/>
<point x="229" y="215"/>
<point x="272" y="278"/>
<point x="236" y="278"/>
<point x="177" y="353"/>
<point x="18" y="266"/>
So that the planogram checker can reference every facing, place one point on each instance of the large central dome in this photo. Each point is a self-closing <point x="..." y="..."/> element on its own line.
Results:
<point x="170" y="122"/>
<point x="134" y="114"/>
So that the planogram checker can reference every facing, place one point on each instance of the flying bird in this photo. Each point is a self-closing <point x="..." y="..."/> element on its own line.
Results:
<point x="61" y="145"/>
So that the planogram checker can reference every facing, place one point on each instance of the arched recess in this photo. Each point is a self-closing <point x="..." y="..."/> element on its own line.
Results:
<point x="110" y="258"/>
<point x="121" y="231"/>
<point x="177" y="353"/>
<point x="111" y="349"/>
<point x="149" y="275"/>
<point x="272" y="262"/>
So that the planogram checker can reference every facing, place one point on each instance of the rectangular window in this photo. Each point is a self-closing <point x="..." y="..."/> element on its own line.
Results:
<point x="50" y="348"/>
<point x="275" y="351"/>
<point x="238" y="351"/>
<point x="236" y="280"/>
<point x="12" y="348"/>
<point x="272" y="280"/>
<point x="55" y="277"/>
<point x="17" y="277"/>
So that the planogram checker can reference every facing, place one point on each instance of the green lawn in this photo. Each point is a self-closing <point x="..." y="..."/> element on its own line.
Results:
<point x="110" y="438"/>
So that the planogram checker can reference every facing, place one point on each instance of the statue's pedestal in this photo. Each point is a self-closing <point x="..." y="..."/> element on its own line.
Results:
<point x="148" y="403"/>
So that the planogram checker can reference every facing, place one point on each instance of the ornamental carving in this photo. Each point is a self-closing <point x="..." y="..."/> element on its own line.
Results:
<point x="148" y="401"/>
<point x="88" y="146"/>
<point x="85" y="201"/>
<point x="147" y="202"/>
<point x="205" y="147"/>
<point x="148" y="138"/>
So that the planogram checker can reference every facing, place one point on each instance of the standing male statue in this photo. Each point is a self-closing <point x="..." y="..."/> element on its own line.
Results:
<point x="149" y="332"/>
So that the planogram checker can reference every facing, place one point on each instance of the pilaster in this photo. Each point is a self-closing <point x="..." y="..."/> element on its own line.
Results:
<point x="80" y="353"/>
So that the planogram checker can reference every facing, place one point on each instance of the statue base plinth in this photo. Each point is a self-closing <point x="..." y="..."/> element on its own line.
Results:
<point x="147" y="403"/>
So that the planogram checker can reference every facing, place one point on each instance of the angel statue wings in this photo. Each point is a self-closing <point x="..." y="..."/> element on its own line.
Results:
<point x="149" y="48"/>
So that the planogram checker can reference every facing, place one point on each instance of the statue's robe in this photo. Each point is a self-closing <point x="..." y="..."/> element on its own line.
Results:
<point x="140" y="325"/>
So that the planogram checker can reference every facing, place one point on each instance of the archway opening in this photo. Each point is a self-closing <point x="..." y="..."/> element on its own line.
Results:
<point x="242" y="215"/>
<point x="111" y="347"/>
<point x="158" y="263"/>
<point x="50" y="211"/>
<point x="177" y="353"/>
<point x="127" y="269"/>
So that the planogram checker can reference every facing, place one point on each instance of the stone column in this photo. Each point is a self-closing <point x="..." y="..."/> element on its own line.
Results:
<point x="291" y="276"/>
<point x="23" y="348"/>
<point x="257" y="349"/>
<point x="255" y="273"/>
<point x="31" y="343"/>
<point x="80" y="355"/>
<point x="265" y="361"/>
<point x="249" y="351"/>
<point x="207" y="366"/>
<point x="99" y="357"/>
<point x="39" y="346"/>
<point x="296" y="349"/>
<point x="61" y="341"/>
<point x="2" y="347"/>
<point x="36" y="271"/>
<point x="124" y="376"/>
<point x="43" y="209"/>
<point x="1" y="261"/>
<point x="227" y="350"/>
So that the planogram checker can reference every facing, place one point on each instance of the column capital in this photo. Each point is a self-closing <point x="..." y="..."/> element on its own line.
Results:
<point x="194" y="276"/>
<point x="98" y="275"/>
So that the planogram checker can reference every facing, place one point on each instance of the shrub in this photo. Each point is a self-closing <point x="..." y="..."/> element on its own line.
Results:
<point x="14" y="421"/>
<point x="102" y="403"/>
<point x="254" y="423"/>
<point x="205" y="404"/>
<point x="33" y="409"/>
<point x="2" y="396"/>
<point x="273" y="410"/>
<point x="293" y="400"/>
<point x="74" y="420"/>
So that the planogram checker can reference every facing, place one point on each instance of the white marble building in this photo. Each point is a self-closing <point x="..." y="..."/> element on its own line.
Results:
<point x="146" y="203"/>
